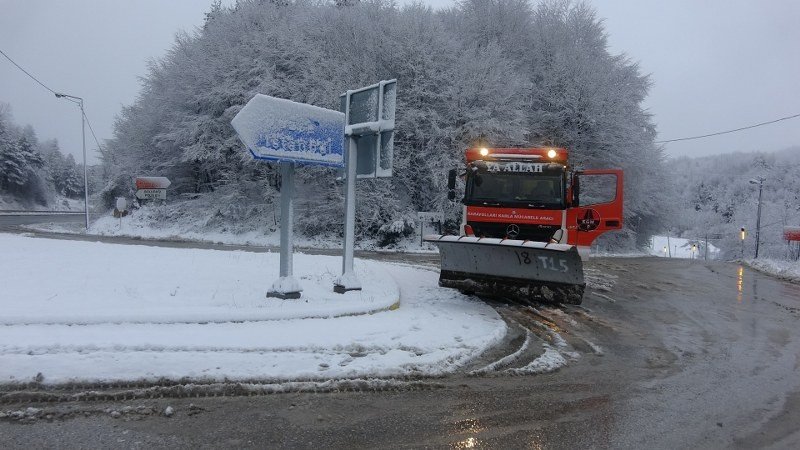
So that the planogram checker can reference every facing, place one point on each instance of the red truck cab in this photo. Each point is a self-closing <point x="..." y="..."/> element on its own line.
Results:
<point x="533" y="194"/>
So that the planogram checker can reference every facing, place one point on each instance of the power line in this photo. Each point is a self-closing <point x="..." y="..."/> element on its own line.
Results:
<point x="92" y="130"/>
<point x="26" y="72"/>
<point x="728" y="131"/>
<point x="55" y="93"/>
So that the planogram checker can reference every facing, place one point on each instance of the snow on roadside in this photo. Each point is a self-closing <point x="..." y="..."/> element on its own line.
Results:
<point x="148" y="223"/>
<point x="787" y="270"/>
<point x="57" y="281"/>
<point x="434" y="331"/>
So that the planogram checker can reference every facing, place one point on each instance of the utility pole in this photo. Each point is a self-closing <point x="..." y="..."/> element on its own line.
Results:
<point x="72" y="98"/>
<point x="760" y="182"/>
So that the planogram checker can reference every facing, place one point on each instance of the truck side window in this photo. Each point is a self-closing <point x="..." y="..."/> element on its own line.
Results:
<point x="597" y="189"/>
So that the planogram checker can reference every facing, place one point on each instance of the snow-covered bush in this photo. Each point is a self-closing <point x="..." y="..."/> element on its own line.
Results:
<point x="392" y="233"/>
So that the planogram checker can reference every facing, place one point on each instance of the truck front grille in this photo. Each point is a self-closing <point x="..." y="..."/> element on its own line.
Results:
<point x="540" y="233"/>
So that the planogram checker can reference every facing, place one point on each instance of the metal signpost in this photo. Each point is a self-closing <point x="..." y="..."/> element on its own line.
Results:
<point x="152" y="188"/>
<point x="121" y="208"/>
<point x="292" y="133"/>
<point x="792" y="234"/>
<point x="429" y="217"/>
<point x="369" y="115"/>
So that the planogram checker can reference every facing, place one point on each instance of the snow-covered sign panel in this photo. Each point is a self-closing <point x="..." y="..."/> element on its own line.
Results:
<point x="370" y="115"/>
<point x="282" y="130"/>
<point x="152" y="182"/>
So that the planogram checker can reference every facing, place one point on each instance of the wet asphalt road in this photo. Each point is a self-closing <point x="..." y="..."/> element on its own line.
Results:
<point x="695" y="355"/>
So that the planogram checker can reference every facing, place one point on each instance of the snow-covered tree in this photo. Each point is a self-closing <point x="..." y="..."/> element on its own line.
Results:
<point x="716" y="198"/>
<point x="30" y="170"/>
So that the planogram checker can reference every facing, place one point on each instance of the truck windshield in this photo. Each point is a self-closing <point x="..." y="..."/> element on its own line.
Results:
<point x="515" y="189"/>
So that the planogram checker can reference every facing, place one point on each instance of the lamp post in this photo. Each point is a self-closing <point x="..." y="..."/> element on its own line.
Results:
<point x="72" y="98"/>
<point x="742" y="236"/>
<point x="760" y="182"/>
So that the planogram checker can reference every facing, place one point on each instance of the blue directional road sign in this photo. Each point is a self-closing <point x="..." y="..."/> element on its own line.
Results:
<point x="282" y="130"/>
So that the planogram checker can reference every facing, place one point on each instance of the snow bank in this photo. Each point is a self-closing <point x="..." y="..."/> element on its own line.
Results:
<point x="150" y="223"/>
<point x="787" y="270"/>
<point x="52" y="281"/>
<point x="140" y="308"/>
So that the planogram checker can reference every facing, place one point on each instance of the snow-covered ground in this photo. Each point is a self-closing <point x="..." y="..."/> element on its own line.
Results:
<point x="81" y="311"/>
<point x="788" y="270"/>
<point x="681" y="248"/>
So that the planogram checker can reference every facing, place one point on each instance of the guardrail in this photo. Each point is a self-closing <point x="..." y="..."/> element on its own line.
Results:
<point x="28" y="212"/>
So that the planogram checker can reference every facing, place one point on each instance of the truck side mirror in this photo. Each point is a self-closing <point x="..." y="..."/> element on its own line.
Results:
<point x="451" y="179"/>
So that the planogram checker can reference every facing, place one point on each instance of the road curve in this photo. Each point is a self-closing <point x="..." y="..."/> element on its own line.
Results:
<point x="683" y="354"/>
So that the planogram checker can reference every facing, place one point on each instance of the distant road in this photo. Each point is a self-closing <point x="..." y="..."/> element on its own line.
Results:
<point x="11" y="222"/>
<point x="13" y="218"/>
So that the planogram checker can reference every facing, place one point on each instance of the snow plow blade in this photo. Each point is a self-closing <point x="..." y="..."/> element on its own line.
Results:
<point x="523" y="271"/>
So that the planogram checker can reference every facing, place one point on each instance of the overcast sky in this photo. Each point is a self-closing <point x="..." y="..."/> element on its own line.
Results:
<point x="715" y="64"/>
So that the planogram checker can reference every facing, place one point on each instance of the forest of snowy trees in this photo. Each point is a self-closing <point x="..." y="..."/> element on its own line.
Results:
<point x="33" y="173"/>
<point x="511" y="72"/>
<point x="716" y="198"/>
<point x="516" y="72"/>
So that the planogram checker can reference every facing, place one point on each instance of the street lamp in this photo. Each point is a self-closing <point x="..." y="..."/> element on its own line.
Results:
<point x="742" y="236"/>
<point x="760" y="182"/>
<point x="72" y="98"/>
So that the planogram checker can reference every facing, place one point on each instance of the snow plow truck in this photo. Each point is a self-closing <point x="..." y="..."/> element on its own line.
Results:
<point x="528" y="221"/>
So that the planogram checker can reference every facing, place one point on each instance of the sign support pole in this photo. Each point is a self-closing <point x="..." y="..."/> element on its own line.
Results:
<point x="286" y="286"/>
<point x="348" y="281"/>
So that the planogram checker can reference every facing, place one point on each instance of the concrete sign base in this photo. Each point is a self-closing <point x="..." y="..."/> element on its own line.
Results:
<point x="284" y="296"/>
<point x="285" y="287"/>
